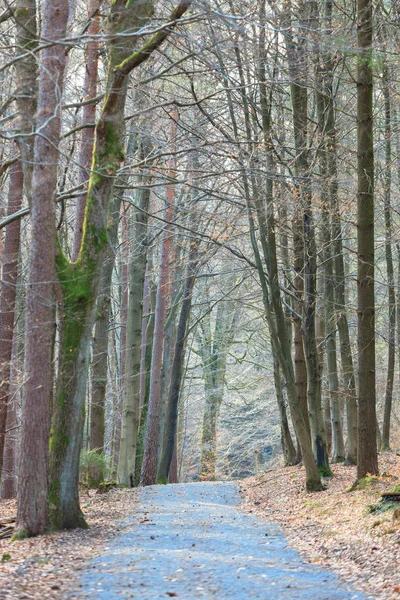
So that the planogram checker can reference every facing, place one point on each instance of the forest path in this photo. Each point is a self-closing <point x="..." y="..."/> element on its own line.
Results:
<point x="192" y="541"/>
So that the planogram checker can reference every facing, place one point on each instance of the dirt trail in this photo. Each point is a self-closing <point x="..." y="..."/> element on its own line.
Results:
<point x="192" y="541"/>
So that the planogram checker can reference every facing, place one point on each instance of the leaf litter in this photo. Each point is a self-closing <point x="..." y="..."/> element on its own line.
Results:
<point x="336" y="528"/>
<point x="48" y="566"/>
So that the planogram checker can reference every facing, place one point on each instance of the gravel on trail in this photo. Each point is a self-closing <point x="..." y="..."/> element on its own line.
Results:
<point x="192" y="541"/>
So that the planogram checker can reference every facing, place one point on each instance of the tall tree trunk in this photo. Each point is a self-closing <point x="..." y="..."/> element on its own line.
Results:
<point x="8" y="295"/>
<point x="89" y="117"/>
<point x="137" y="271"/>
<point x="100" y="344"/>
<point x="300" y="367"/>
<point x="389" y="264"/>
<point x="171" y="417"/>
<point x="297" y="58"/>
<point x="367" y="451"/>
<point x="32" y="511"/>
<point x="323" y="85"/>
<point x="149" y="466"/>
<point x="271" y="292"/>
<point x="147" y="342"/>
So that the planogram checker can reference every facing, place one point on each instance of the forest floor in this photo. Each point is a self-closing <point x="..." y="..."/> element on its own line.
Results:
<point x="334" y="528"/>
<point x="47" y="567"/>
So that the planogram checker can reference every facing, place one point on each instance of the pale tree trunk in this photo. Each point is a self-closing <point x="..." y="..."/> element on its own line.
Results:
<point x="32" y="511"/>
<point x="8" y="295"/>
<point x="171" y="417"/>
<point x="149" y="466"/>
<point x="214" y="348"/>
<point x="79" y="281"/>
<point x="136" y="274"/>
<point x="88" y="117"/>
<point x="147" y="344"/>
<point x="367" y="451"/>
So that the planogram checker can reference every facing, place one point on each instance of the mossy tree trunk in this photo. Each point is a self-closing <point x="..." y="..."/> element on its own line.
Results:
<point x="100" y="340"/>
<point x="79" y="281"/>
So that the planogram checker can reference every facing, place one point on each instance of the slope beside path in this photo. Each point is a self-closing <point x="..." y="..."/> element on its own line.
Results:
<point x="192" y="541"/>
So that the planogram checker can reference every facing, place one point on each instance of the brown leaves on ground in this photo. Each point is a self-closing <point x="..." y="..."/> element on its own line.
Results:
<point x="46" y="567"/>
<point x="333" y="528"/>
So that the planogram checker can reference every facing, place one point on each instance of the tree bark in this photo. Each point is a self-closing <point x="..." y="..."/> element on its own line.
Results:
<point x="8" y="295"/>
<point x="367" y="451"/>
<point x="149" y="466"/>
<point x="171" y="417"/>
<point x="99" y="364"/>
<point x="32" y="511"/>
<point x="147" y="342"/>
<point x="150" y="458"/>
<point x="288" y="449"/>
<point x="389" y="264"/>
<point x="88" y="117"/>
<point x="137" y="271"/>
<point x="26" y="71"/>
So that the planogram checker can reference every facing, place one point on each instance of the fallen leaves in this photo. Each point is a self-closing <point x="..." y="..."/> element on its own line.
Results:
<point x="333" y="528"/>
<point x="48" y="566"/>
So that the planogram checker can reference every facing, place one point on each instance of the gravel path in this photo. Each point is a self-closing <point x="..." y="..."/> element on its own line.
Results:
<point x="192" y="541"/>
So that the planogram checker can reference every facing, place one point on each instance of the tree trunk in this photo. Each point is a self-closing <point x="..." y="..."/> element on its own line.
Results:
<point x="288" y="449"/>
<point x="100" y="345"/>
<point x="271" y="292"/>
<point x="367" y="451"/>
<point x="8" y="295"/>
<point x="147" y="342"/>
<point x="171" y="418"/>
<point x="389" y="264"/>
<point x="149" y="466"/>
<point x="26" y="71"/>
<point x="89" y="117"/>
<point x="137" y="270"/>
<point x="32" y="511"/>
<point x="300" y="367"/>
